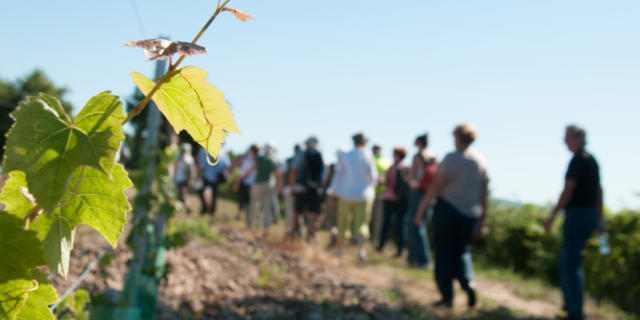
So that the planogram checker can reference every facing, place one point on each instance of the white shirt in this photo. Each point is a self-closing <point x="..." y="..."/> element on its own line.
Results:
<point x="356" y="176"/>
<point x="247" y="163"/>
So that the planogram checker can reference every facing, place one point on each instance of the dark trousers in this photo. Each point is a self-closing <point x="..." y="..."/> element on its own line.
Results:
<point x="214" y="196"/>
<point x="394" y="210"/>
<point x="452" y="233"/>
<point x="419" y="254"/>
<point x="579" y="224"/>
<point x="243" y="196"/>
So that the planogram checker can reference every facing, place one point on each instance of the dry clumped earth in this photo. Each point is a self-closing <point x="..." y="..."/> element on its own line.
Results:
<point x="245" y="276"/>
<point x="240" y="277"/>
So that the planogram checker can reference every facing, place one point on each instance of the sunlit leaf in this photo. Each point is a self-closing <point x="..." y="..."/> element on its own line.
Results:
<point x="48" y="146"/>
<point x="19" y="206"/>
<point x="58" y="245"/>
<point x="192" y="104"/>
<point x="27" y="298"/>
<point x="98" y="201"/>
<point x="92" y="199"/>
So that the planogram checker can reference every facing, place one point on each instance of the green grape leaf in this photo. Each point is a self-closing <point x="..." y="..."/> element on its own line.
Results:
<point x="192" y="104"/>
<point x="27" y="298"/>
<point x="92" y="199"/>
<point x="58" y="245"/>
<point x="38" y="301"/>
<point x="21" y="249"/>
<point x="47" y="146"/>
<point x="13" y="297"/>
<point x="17" y="204"/>
<point x="14" y="201"/>
<point x="98" y="201"/>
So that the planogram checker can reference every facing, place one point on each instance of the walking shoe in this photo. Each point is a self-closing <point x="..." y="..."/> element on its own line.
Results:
<point x="472" y="299"/>
<point x="444" y="303"/>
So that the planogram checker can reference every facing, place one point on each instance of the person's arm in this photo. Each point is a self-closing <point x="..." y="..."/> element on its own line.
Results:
<point x="433" y="191"/>
<point x="484" y="202"/>
<point x="412" y="173"/>
<point x="373" y="172"/>
<point x="293" y="176"/>
<point x="279" y="182"/>
<point x="601" y="226"/>
<point x="565" y="196"/>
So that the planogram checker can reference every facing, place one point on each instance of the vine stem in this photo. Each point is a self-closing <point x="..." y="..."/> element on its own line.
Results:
<point x="32" y="215"/>
<point x="172" y="67"/>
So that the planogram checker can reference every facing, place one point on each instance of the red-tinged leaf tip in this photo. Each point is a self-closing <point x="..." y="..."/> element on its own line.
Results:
<point x="240" y="15"/>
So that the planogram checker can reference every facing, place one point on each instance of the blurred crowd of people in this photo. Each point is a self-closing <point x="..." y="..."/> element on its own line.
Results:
<point x="365" y="196"/>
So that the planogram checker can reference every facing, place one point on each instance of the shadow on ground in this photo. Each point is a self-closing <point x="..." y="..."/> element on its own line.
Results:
<point x="267" y="308"/>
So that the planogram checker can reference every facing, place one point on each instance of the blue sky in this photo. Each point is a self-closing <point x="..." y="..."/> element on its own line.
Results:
<point x="519" y="70"/>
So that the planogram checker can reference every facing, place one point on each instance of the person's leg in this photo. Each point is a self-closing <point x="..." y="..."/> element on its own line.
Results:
<point x="288" y="211"/>
<point x="444" y="262"/>
<point x="578" y="226"/>
<point x="298" y="210"/>
<point x="243" y="199"/>
<point x="275" y="206"/>
<point x="214" y="198"/>
<point x="360" y="226"/>
<point x="254" y="203"/>
<point x="464" y="228"/>
<point x="343" y="224"/>
<point x="204" y="207"/>
<point x="267" y="205"/>
<point x="400" y="212"/>
<point x="417" y="235"/>
<point x="388" y="207"/>
<point x="377" y="219"/>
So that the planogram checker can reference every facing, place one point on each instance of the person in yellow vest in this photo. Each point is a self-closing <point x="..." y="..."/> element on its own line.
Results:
<point x="377" y="216"/>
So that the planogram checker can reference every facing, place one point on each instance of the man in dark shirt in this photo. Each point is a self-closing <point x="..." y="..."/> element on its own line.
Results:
<point x="581" y="200"/>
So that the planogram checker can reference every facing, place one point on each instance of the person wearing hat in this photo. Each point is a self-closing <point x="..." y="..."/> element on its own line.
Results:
<point x="353" y="186"/>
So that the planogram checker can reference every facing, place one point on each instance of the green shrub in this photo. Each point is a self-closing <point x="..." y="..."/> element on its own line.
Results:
<point x="516" y="240"/>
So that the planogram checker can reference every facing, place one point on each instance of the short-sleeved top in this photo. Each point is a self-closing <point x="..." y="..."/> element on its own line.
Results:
<point x="247" y="164"/>
<point x="265" y="167"/>
<point x="584" y="169"/>
<point x="466" y="175"/>
<point x="382" y="165"/>
<point x="211" y="172"/>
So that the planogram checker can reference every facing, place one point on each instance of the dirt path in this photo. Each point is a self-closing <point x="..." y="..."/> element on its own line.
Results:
<point x="249" y="277"/>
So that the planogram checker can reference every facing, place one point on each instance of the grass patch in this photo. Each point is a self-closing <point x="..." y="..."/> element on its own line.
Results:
<point x="390" y="295"/>
<point x="183" y="231"/>
<point x="269" y="276"/>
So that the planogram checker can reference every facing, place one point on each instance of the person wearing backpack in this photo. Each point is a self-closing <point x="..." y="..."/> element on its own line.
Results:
<point x="422" y="170"/>
<point x="305" y="181"/>
<point x="395" y="200"/>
